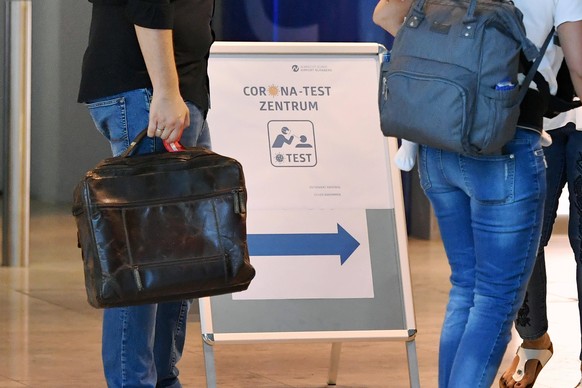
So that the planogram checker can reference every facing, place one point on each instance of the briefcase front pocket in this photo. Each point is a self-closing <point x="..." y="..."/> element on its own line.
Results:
<point x="149" y="250"/>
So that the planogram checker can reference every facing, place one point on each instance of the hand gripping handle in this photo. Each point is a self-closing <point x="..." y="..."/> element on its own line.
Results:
<point x="170" y="147"/>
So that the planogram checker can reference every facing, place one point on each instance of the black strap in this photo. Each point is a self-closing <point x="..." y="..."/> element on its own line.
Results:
<point x="534" y="67"/>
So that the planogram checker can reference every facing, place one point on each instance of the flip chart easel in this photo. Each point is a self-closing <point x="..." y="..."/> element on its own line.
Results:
<point x="326" y="227"/>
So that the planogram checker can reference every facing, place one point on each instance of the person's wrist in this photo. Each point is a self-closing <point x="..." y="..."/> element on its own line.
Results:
<point x="167" y="91"/>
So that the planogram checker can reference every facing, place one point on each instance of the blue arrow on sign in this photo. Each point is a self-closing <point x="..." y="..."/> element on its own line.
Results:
<point x="341" y="243"/>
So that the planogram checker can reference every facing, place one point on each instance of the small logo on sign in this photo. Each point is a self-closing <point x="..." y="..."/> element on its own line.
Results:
<point x="292" y="143"/>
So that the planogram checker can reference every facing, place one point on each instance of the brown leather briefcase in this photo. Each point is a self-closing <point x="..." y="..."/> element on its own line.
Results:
<point x="161" y="227"/>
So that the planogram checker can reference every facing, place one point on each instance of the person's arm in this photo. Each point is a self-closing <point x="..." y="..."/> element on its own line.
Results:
<point x="571" y="41"/>
<point x="167" y="110"/>
<point x="389" y="14"/>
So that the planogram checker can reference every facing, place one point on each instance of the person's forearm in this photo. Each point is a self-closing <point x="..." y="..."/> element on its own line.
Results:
<point x="168" y="111"/>
<point x="570" y="34"/>
<point x="158" y="53"/>
<point x="389" y="14"/>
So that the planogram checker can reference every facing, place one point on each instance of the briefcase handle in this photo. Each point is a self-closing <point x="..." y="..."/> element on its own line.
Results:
<point x="170" y="147"/>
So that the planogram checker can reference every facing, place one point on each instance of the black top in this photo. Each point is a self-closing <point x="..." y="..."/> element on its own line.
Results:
<point x="113" y="62"/>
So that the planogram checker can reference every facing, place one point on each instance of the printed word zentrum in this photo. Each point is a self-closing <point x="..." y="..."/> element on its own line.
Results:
<point x="288" y="105"/>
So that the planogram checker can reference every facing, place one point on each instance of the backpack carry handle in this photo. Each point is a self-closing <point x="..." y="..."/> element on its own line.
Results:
<point x="418" y="11"/>
<point x="417" y="15"/>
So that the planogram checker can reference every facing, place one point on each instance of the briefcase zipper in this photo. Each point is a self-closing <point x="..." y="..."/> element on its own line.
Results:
<point x="238" y="195"/>
<point x="136" y="267"/>
<point x="137" y="276"/>
<point x="113" y="164"/>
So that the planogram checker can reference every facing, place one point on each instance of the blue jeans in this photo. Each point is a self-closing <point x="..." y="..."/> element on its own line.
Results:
<point x="142" y="344"/>
<point x="489" y="210"/>
<point x="564" y="159"/>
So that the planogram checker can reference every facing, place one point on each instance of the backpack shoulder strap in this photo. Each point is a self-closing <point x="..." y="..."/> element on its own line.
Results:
<point x="533" y="69"/>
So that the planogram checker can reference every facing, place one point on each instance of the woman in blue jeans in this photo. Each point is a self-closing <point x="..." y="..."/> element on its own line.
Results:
<point x="489" y="210"/>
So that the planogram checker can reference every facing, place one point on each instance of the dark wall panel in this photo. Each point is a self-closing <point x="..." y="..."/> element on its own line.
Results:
<point x="299" y="21"/>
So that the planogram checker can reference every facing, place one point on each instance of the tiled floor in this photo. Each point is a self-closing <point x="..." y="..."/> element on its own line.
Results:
<point x="50" y="336"/>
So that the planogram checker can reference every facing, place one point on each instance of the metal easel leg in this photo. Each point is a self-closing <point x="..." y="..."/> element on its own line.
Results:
<point x="336" y="349"/>
<point x="412" y="364"/>
<point x="209" y="366"/>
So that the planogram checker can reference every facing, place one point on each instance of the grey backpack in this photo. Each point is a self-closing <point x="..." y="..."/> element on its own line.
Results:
<point x="452" y="78"/>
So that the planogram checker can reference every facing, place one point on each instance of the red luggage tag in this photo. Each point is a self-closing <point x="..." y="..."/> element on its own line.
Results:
<point x="174" y="146"/>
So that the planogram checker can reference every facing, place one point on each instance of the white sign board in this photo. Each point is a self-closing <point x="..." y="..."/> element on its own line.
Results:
<point x="322" y="226"/>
